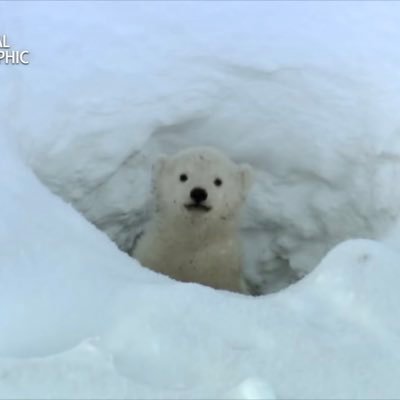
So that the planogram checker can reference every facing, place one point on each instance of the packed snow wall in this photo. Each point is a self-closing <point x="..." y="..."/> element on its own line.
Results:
<point x="109" y="87"/>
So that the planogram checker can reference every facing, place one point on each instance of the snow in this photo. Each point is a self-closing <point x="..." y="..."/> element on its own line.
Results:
<point x="305" y="92"/>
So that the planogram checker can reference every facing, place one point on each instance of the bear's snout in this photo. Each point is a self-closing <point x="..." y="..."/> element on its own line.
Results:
<point x="198" y="195"/>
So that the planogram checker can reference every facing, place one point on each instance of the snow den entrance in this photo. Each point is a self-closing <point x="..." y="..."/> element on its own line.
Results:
<point x="322" y="173"/>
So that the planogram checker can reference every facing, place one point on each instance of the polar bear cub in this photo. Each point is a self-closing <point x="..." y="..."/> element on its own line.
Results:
<point x="193" y="235"/>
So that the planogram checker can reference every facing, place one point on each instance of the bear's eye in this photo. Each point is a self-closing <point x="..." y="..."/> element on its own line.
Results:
<point x="183" y="177"/>
<point x="217" y="182"/>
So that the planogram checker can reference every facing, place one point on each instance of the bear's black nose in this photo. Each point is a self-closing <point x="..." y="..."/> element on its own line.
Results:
<point x="198" y="195"/>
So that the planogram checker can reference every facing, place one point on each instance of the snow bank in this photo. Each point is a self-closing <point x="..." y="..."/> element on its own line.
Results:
<point x="332" y="335"/>
<point x="307" y="93"/>
<point x="319" y="99"/>
<point x="58" y="274"/>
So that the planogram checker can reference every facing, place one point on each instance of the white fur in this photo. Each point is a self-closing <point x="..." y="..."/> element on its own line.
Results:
<point x="194" y="245"/>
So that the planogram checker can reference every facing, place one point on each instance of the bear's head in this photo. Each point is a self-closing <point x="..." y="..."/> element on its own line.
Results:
<point x="200" y="183"/>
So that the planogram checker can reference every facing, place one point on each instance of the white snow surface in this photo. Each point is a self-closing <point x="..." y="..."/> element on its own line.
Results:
<point x="305" y="92"/>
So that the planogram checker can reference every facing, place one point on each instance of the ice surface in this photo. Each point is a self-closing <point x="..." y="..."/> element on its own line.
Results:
<point x="307" y="93"/>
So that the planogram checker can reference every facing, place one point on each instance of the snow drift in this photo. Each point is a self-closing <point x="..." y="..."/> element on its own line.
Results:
<point x="318" y="102"/>
<point x="307" y="93"/>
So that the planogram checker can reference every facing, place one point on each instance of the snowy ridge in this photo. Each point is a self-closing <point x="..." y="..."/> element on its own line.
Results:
<point x="313" y="108"/>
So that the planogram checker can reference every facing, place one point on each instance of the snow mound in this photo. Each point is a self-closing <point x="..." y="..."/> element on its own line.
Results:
<point x="332" y="335"/>
<point x="314" y="110"/>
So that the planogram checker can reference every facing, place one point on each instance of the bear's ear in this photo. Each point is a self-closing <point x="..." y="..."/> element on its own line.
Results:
<point x="159" y="166"/>
<point x="246" y="176"/>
